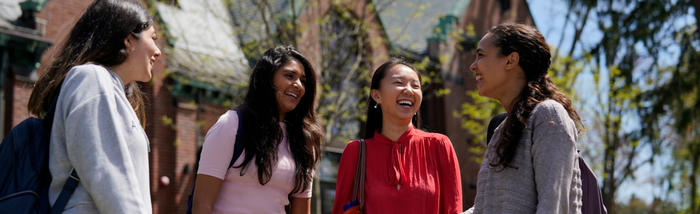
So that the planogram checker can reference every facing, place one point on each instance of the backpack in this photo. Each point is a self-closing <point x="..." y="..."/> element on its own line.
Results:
<point x="24" y="170"/>
<point x="237" y="151"/>
<point x="592" y="200"/>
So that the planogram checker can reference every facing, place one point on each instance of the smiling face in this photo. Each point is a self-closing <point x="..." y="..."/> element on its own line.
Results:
<point x="399" y="93"/>
<point x="289" y="83"/>
<point x="142" y="54"/>
<point x="489" y="68"/>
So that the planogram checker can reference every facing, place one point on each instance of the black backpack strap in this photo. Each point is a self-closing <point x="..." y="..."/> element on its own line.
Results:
<point x="68" y="189"/>
<point x="237" y="150"/>
<point x="237" y="145"/>
<point x="495" y="121"/>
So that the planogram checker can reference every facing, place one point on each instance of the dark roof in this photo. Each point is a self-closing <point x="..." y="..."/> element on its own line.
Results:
<point x="409" y="23"/>
<point x="202" y="43"/>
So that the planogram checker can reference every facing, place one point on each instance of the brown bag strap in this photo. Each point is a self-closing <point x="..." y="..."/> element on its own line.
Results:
<point x="358" y="191"/>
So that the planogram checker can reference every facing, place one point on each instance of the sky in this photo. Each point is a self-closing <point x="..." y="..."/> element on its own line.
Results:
<point x="549" y="18"/>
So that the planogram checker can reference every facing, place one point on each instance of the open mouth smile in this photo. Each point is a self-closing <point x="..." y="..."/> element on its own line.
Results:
<point x="292" y="95"/>
<point x="405" y="103"/>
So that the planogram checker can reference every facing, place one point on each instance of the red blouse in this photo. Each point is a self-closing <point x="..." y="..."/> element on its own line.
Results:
<point x="419" y="173"/>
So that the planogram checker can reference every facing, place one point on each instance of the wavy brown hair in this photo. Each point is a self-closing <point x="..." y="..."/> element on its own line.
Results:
<point x="97" y="37"/>
<point x="260" y="114"/>
<point x="535" y="59"/>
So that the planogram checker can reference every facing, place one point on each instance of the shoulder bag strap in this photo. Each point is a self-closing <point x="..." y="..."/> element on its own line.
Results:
<point x="358" y="191"/>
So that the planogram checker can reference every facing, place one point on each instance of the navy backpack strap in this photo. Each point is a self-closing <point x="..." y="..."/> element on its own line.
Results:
<point x="73" y="179"/>
<point x="68" y="189"/>
<point x="237" y="145"/>
<point x="495" y="121"/>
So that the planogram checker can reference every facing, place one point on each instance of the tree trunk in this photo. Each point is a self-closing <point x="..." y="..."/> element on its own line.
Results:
<point x="693" y="180"/>
<point x="609" y="188"/>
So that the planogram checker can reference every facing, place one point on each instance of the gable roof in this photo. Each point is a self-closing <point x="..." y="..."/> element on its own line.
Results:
<point x="409" y="23"/>
<point x="203" y="44"/>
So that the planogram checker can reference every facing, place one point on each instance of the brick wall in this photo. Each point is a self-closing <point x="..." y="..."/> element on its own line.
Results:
<point x="482" y="15"/>
<point x="177" y="157"/>
<point x="309" y="40"/>
<point x="185" y="146"/>
<point x="19" y="99"/>
<point x="161" y="132"/>
<point x="59" y="16"/>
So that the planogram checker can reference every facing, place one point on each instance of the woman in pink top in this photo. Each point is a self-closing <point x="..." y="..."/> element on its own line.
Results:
<point x="281" y="144"/>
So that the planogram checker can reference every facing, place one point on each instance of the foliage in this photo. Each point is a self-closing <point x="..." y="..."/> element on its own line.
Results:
<point x="636" y="205"/>
<point x="674" y="100"/>
<point x="631" y="96"/>
<point x="345" y="75"/>
<point x="475" y="117"/>
<point x="625" y="67"/>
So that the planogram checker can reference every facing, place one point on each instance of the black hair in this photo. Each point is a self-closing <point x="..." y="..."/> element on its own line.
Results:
<point x="374" y="115"/>
<point x="97" y="37"/>
<point x="261" y="114"/>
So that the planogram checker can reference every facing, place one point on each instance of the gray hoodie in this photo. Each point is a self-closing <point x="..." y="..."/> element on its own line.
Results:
<point x="96" y="131"/>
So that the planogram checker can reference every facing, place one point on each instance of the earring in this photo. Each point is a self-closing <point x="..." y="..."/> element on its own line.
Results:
<point x="375" y="105"/>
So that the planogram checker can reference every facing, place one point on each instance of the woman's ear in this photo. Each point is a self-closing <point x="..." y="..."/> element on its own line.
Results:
<point x="129" y="42"/>
<point x="512" y="60"/>
<point x="374" y="93"/>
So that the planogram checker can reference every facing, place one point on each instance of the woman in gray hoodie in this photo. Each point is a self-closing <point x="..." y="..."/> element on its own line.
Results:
<point x="97" y="128"/>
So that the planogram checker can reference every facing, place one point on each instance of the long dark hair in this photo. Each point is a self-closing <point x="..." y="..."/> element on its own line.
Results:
<point x="534" y="60"/>
<point x="261" y="118"/>
<point x="97" y="37"/>
<point x="374" y="115"/>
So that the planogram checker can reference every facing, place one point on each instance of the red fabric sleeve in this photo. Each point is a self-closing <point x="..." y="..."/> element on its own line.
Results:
<point x="450" y="179"/>
<point x="346" y="176"/>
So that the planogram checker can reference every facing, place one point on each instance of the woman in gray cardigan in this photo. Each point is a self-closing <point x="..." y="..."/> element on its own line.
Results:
<point x="530" y="165"/>
<point x="97" y="127"/>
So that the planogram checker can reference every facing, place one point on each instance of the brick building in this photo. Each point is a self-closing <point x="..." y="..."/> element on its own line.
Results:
<point x="479" y="17"/>
<point x="203" y="71"/>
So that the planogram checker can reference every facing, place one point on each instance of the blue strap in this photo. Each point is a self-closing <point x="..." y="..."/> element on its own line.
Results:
<point x="73" y="180"/>
<point x="237" y="145"/>
<point x="66" y="192"/>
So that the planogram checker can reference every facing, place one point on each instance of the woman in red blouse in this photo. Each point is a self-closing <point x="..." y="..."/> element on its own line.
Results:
<point x="407" y="170"/>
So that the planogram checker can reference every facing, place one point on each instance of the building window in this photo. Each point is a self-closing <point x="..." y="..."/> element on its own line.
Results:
<point x="328" y="170"/>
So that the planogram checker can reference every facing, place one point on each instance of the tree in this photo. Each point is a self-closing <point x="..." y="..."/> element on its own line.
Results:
<point x="675" y="101"/>
<point x="617" y="68"/>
